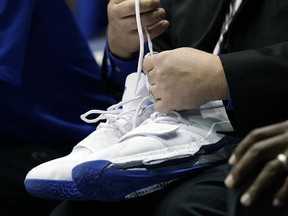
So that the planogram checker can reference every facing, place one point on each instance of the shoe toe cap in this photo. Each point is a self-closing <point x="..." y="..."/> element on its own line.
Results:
<point x="57" y="169"/>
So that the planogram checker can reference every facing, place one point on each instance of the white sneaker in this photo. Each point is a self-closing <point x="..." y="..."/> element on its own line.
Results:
<point x="118" y="172"/>
<point x="53" y="179"/>
<point x="165" y="135"/>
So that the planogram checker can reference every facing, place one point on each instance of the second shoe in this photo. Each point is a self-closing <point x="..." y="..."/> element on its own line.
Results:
<point x="53" y="180"/>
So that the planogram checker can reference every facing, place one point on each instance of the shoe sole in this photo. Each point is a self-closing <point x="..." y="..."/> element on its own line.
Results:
<point x="104" y="181"/>
<point x="56" y="190"/>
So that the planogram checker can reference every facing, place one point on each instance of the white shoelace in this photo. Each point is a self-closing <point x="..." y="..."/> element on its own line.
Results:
<point x="172" y="117"/>
<point x="141" y="39"/>
<point x="115" y="112"/>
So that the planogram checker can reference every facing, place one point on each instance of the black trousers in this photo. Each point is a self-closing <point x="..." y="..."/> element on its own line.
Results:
<point x="15" y="162"/>
<point x="263" y="205"/>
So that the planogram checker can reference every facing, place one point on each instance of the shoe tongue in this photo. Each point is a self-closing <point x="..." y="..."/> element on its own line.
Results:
<point x="135" y="86"/>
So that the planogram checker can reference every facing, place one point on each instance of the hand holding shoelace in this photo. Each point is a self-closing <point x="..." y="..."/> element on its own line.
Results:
<point x="123" y="36"/>
<point x="185" y="78"/>
<point x="268" y="145"/>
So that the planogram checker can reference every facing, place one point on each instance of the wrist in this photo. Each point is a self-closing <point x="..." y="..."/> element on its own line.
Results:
<point x="118" y="48"/>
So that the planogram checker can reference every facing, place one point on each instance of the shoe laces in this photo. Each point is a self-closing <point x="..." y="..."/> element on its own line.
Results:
<point x="169" y="117"/>
<point x="115" y="114"/>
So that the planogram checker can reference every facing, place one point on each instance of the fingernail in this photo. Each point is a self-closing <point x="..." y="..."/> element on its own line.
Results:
<point x="277" y="203"/>
<point x="229" y="181"/>
<point x="246" y="199"/>
<point x="232" y="159"/>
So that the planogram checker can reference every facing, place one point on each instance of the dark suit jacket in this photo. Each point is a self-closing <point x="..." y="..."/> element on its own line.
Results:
<point x="256" y="59"/>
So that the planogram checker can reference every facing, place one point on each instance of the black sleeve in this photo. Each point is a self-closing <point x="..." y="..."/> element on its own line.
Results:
<point x="193" y="23"/>
<point x="258" y="84"/>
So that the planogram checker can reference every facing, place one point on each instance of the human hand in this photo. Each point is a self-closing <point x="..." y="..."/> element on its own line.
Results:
<point x="185" y="78"/>
<point x="123" y="38"/>
<point x="260" y="146"/>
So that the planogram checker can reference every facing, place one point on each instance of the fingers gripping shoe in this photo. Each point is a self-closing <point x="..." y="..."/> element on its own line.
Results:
<point x="162" y="149"/>
<point x="53" y="179"/>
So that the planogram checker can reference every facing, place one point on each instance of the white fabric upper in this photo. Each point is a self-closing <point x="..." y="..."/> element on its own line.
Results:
<point x="167" y="135"/>
<point x="136" y="106"/>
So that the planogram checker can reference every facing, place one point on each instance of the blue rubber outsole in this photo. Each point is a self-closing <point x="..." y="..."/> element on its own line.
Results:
<point x="104" y="181"/>
<point x="100" y="180"/>
<point x="52" y="189"/>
